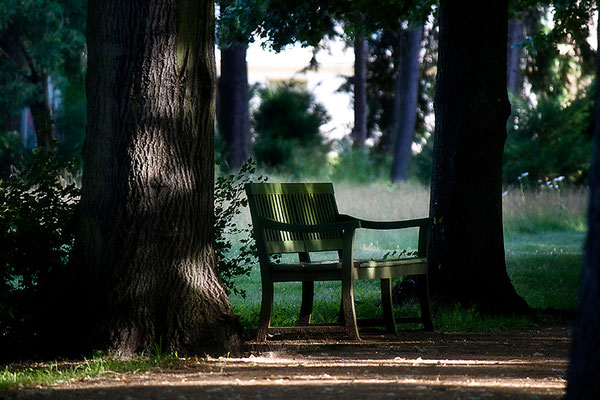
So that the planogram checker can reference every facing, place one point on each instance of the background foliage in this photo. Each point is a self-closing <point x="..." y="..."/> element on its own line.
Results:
<point x="549" y="140"/>
<point x="286" y="125"/>
<point x="38" y="203"/>
<point x="37" y="37"/>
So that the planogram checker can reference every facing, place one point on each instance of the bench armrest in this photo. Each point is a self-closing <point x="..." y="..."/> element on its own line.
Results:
<point x="267" y="223"/>
<point x="409" y="223"/>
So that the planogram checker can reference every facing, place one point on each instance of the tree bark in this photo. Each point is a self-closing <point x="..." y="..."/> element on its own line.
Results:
<point x="466" y="251"/>
<point x="407" y="91"/>
<point x="359" y="132"/>
<point x="584" y="368"/>
<point x="145" y="243"/>
<point x="234" y="119"/>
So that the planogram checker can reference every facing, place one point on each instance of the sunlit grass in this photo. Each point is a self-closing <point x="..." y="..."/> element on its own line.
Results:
<point x="54" y="373"/>
<point x="544" y="210"/>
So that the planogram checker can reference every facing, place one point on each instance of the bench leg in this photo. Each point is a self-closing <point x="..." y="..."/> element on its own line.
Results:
<point x="386" y="303"/>
<point x="425" y="303"/>
<point x="266" y="311"/>
<point x="308" y="290"/>
<point x="348" y="309"/>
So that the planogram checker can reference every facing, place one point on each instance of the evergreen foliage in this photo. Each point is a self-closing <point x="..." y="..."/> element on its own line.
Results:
<point x="549" y="140"/>
<point x="287" y="126"/>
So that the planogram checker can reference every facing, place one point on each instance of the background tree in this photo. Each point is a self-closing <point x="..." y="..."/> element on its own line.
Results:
<point x="405" y="104"/>
<point x="551" y="136"/>
<point x="233" y="94"/>
<point x="144" y="250"/>
<point x="38" y="39"/>
<point x="550" y="71"/>
<point x="392" y="108"/>
<point x="359" y="132"/>
<point x="466" y="249"/>
<point x="310" y="21"/>
<point x="516" y="36"/>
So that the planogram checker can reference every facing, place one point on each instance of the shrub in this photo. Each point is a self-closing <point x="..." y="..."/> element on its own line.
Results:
<point x="229" y="201"/>
<point x="422" y="163"/>
<point x="549" y="140"/>
<point x="11" y="152"/>
<point x="359" y="165"/>
<point x="37" y="209"/>
<point x="38" y="204"/>
<point x="288" y="119"/>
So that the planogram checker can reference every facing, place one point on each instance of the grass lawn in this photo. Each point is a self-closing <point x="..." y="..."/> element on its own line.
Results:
<point x="544" y="234"/>
<point x="544" y="267"/>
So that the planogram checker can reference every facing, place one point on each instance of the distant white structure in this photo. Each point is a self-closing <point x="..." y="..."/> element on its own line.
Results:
<point x="267" y="67"/>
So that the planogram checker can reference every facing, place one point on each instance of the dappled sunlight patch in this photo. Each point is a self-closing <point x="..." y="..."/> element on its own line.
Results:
<point x="280" y="374"/>
<point x="529" y="363"/>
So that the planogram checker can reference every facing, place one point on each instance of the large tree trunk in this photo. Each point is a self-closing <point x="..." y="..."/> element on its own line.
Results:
<point x="466" y="251"/>
<point x="407" y="91"/>
<point x="41" y="111"/>
<point x="145" y="244"/>
<point x="359" y="132"/>
<point x="234" y="119"/>
<point x="514" y="55"/>
<point x="583" y="377"/>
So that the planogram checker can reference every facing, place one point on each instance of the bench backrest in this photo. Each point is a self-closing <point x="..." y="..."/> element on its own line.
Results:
<point x="296" y="203"/>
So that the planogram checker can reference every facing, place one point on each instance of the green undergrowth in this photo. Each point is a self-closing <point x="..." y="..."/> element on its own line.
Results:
<point x="63" y="372"/>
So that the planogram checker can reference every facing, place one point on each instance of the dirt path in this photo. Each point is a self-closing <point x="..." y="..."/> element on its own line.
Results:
<point x="511" y="365"/>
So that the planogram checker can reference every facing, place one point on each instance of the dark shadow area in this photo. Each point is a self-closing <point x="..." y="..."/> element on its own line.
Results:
<point x="278" y="391"/>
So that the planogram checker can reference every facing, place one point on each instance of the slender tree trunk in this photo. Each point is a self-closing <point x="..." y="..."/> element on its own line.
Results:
<point x="395" y="117"/>
<point x="407" y="91"/>
<point x="466" y="250"/>
<point x="234" y="119"/>
<point x="515" y="53"/>
<point x="583" y="376"/>
<point x="359" y="132"/>
<point x="41" y="111"/>
<point x="145" y="243"/>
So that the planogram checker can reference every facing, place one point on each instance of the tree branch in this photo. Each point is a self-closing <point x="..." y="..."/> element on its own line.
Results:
<point x="34" y="77"/>
<point x="6" y="54"/>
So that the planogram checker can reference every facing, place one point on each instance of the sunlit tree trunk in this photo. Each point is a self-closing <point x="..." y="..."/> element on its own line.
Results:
<point x="407" y="91"/>
<point x="234" y="119"/>
<point x="466" y="250"/>
<point x="144" y="250"/>
<point x="583" y="377"/>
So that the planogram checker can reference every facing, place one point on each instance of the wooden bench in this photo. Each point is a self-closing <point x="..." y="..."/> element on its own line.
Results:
<point x="303" y="218"/>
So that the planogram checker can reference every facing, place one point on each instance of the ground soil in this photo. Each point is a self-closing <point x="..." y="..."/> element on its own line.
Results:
<point x="524" y="364"/>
